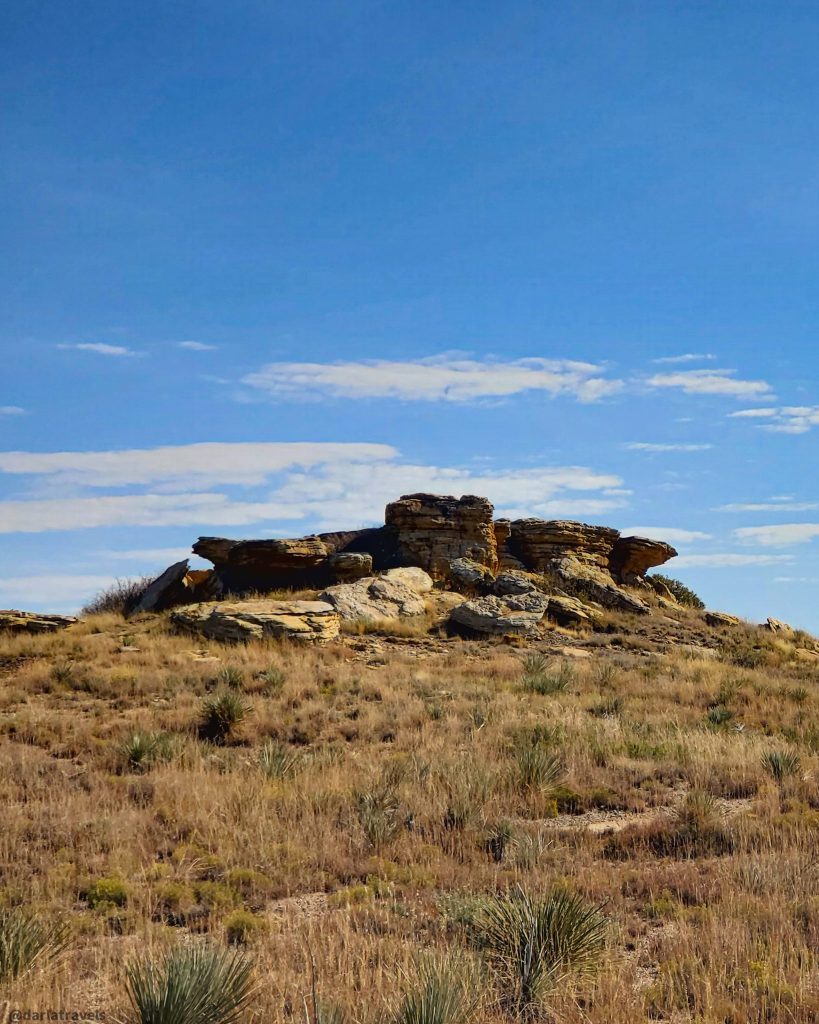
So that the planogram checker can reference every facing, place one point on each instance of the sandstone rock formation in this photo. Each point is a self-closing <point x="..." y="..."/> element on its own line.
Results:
<point x="396" y="594"/>
<point x="433" y="530"/>
<point x="777" y="626"/>
<point x="457" y="542"/>
<point x="307" y="621"/>
<point x="14" y="621"/>
<point x="718" y="619"/>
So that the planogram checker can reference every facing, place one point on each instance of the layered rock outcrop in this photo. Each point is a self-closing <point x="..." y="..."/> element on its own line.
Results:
<point x="433" y="530"/>
<point x="455" y="540"/>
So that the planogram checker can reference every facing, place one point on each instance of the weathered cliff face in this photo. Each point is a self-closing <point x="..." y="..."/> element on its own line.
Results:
<point x="442" y="534"/>
<point x="432" y="530"/>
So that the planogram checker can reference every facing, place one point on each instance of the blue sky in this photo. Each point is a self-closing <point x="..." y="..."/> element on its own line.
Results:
<point x="271" y="265"/>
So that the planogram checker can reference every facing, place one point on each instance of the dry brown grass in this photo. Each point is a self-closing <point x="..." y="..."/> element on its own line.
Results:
<point x="707" y="929"/>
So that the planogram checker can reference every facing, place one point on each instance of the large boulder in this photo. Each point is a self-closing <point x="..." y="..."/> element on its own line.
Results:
<point x="348" y="566"/>
<point x="14" y="621"/>
<point x="468" y="577"/>
<point x="569" y="612"/>
<point x="494" y="616"/>
<point x="433" y="530"/>
<point x="167" y="590"/>
<point x="395" y="595"/>
<point x="515" y="581"/>
<point x="717" y="620"/>
<point x="307" y="621"/>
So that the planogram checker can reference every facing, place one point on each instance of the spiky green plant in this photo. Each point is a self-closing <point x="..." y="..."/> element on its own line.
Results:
<point x="138" y="751"/>
<point x="779" y="764"/>
<point x="26" y="940"/>
<point x="222" y="715"/>
<point x="537" y="767"/>
<point x="231" y="676"/>
<point x="499" y="837"/>
<point x="443" y="992"/>
<point x="533" y="945"/>
<point x="540" y="677"/>
<point x="379" y="813"/>
<point x="278" y="761"/>
<point x="191" y="985"/>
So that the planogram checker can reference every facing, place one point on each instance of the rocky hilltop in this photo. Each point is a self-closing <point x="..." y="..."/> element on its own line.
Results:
<point x="440" y="567"/>
<point x="456" y="541"/>
<point x="492" y="576"/>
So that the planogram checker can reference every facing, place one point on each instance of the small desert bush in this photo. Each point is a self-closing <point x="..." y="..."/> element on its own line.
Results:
<point x="533" y="944"/>
<point x="199" y="984"/>
<point x="26" y="940"/>
<point x="138" y="751"/>
<point x="121" y="597"/>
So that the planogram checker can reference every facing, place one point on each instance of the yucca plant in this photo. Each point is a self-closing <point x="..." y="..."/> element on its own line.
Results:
<point x="540" y="677"/>
<point x="499" y="837"/>
<point x="278" y="761"/>
<point x="781" y="763"/>
<point x="537" y="767"/>
<point x="192" y="985"/>
<point x="379" y="813"/>
<point x="222" y="715"/>
<point x="231" y="677"/>
<point x="533" y="945"/>
<point x="138" y="751"/>
<point x="26" y="940"/>
<point x="443" y="992"/>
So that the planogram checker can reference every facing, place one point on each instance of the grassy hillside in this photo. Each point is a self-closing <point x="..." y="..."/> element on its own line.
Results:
<point x="360" y="805"/>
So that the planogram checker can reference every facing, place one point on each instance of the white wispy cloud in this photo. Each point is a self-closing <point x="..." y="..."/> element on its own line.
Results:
<point x="686" y="357"/>
<point x="786" y="419"/>
<point x="647" y="446"/>
<point x="102" y="349"/>
<point x="780" y="535"/>
<point x="796" y="579"/>
<point x="325" y="486"/>
<point x="727" y="560"/>
<point x="197" y="346"/>
<point x="711" y="382"/>
<point x="670" y="534"/>
<point x="438" y="378"/>
<point x="769" y="506"/>
<point x="12" y="410"/>
<point x="190" y="466"/>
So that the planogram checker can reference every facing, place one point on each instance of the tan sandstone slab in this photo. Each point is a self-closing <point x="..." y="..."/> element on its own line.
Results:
<point x="310" y="621"/>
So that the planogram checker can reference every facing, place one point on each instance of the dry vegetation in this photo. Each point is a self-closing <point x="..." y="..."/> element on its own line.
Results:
<point x="403" y="816"/>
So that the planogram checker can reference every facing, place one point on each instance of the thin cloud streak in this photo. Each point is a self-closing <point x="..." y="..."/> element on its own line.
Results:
<point x="436" y="379"/>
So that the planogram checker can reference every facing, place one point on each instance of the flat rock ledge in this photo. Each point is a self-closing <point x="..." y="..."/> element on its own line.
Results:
<point x="13" y="621"/>
<point x="314" y="622"/>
